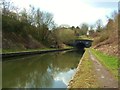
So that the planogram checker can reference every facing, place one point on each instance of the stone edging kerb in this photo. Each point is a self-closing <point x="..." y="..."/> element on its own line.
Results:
<point x="7" y="55"/>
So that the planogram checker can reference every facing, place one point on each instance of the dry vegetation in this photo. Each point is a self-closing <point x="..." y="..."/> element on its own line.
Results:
<point x="32" y="29"/>
<point x="107" y="39"/>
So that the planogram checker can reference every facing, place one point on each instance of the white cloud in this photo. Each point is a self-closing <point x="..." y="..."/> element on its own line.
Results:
<point x="65" y="76"/>
<point x="76" y="13"/>
<point x="72" y="12"/>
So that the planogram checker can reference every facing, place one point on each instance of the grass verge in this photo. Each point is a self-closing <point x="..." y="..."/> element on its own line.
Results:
<point x="84" y="77"/>
<point x="84" y="37"/>
<point x="11" y="50"/>
<point x="30" y="50"/>
<point x="110" y="62"/>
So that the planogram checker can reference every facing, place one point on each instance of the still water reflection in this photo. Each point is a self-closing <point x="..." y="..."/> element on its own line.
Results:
<point x="51" y="70"/>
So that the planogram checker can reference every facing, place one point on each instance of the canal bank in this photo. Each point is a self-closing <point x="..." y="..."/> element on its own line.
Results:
<point x="24" y="53"/>
<point x="92" y="73"/>
<point x="49" y="70"/>
<point x="84" y="76"/>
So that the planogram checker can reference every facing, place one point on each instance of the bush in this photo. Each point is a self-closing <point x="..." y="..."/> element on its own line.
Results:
<point x="103" y="36"/>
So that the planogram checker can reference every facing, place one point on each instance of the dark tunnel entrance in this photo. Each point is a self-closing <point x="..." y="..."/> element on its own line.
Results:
<point x="80" y="46"/>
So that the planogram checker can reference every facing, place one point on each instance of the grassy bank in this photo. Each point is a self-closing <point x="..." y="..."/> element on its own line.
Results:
<point x="84" y="37"/>
<point x="28" y="50"/>
<point x="110" y="62"/>
<point x="11" y="50"/>
<point x="84" y="77"/>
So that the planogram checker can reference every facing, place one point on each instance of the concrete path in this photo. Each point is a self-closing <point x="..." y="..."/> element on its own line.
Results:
<point x="105" y="78"/>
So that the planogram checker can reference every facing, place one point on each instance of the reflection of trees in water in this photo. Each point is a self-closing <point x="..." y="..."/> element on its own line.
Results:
<point x="37" y="71"/>
<point x="63" y="62"/>
<point x="33" y="70"/>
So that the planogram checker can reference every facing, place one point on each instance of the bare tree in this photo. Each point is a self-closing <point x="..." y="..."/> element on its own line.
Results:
<point x="48" y="19"/>
<point x="99" y="25"/>
<point x="24" y="16"/>
<point x="7" y="6"/>
<point x="31" y="15"/>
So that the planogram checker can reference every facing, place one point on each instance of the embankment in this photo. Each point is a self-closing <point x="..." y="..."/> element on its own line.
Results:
<point x="95" y="70"/>
<point x="84" y="76"/>
<point x="14" y="54"/>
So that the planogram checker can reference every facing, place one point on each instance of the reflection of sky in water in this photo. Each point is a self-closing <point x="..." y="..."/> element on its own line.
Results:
<point x="62" y="79"/>
<point x="42" y="71"/>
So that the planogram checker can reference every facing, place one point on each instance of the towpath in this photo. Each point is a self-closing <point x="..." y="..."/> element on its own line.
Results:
<point x="105" y="78"/>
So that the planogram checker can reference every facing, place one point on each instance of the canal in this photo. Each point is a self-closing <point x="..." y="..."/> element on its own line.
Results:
<point x="50" y="70"/>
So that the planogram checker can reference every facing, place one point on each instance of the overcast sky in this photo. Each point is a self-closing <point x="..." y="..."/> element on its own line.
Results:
<point x="73" y="12"/>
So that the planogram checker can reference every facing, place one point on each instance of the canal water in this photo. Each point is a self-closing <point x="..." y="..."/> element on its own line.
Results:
<point x="51" y="70"/>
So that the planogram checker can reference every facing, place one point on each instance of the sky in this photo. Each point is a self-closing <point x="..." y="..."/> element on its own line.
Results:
<point x="73" y="12"/>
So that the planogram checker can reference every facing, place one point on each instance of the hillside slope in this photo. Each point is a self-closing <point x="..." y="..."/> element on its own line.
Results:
<point x="108" y="46"/>
<point x="17" y="35"/>
<point x="107" y="41"/>
<point x="13" y="41"/>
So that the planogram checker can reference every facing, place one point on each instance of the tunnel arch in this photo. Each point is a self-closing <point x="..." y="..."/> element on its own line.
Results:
<point x="80" y="45"/>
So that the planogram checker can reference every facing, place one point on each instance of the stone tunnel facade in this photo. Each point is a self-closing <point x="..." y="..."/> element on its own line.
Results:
<point x="81" y="44"/>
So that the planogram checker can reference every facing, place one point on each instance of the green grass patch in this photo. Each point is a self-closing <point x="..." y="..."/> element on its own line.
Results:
<point x="13" y="50"/>
<point x="110" y="62"/>
<point x="28" y="50"/>
<point x="85" y="37"/>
